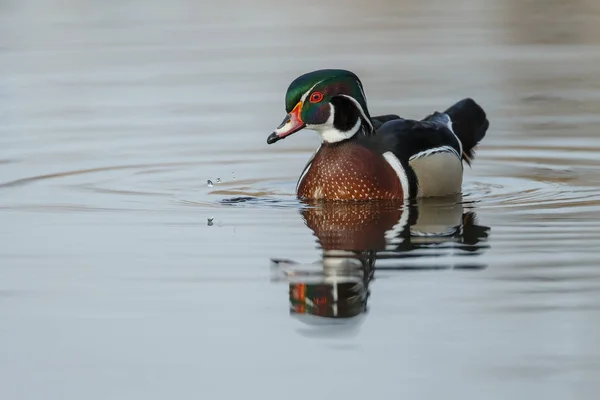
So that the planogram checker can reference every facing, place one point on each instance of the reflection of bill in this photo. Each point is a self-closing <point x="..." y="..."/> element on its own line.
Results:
<point x="331" y="300"/>
<point x="329" y="297"/>
<point x="336" y="287"/>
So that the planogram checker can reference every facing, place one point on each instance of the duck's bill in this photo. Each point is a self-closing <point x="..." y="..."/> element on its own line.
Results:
<point x="291" y="123"/>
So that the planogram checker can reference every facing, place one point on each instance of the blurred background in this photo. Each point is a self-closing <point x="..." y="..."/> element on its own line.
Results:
<point x="124" y="273"/>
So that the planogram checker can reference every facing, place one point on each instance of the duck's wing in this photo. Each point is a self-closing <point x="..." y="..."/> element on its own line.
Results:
<point x="410" y="139"/>
<point x="426" y="154"/>
<point x="462" y="126"/>
<point x="382" y="119"/>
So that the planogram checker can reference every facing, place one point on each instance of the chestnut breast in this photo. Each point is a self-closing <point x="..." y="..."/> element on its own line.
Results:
<point x="348" y="171"/>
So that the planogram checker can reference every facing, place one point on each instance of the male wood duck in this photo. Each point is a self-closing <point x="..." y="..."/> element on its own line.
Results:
<point x="383" y="157"/>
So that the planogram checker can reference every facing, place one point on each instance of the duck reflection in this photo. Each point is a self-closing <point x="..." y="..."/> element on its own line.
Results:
<point x="429" y="234"/>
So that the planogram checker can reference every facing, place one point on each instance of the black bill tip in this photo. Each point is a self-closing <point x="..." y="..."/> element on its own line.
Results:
<point x="272" y="138"/>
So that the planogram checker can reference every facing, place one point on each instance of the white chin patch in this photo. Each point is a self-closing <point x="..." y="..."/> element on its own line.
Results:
<point x="330" y="134"/>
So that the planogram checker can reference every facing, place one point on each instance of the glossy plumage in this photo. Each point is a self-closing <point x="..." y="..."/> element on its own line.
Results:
<point x="382" y="157"/>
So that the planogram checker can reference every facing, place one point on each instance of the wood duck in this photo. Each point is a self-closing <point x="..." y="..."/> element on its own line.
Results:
<point x="383" y="157"/>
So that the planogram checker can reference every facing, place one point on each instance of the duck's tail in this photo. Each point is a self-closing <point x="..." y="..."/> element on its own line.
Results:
<point x="470" y="124"/>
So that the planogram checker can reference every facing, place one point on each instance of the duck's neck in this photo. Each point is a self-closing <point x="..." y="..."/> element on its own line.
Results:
<point x="334" y="135"/>
<point x="346" y="120"/>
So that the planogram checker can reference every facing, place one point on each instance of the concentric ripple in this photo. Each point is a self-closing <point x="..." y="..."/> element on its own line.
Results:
<point x="184" y="184"/>
<point x="514" y="194"/>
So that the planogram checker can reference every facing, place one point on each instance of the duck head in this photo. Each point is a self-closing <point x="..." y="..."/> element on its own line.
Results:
<point x="329" y="101"/>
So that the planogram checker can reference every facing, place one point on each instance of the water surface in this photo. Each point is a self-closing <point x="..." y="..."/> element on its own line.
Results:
<point x="124" y="275"/>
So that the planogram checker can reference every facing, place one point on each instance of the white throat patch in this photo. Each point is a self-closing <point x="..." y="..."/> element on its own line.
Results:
<point x="329" y="133"/>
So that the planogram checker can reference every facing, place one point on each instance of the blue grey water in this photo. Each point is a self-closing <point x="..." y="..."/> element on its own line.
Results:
<point x="123" y="275"/>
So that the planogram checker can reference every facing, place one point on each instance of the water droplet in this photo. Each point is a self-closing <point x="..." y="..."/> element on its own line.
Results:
<point x="210" y="221"/>
<point x="218" y="180"/>
<point x="209" y="183"/>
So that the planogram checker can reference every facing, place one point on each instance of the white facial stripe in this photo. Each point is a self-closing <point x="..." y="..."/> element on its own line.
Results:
<point x="362" y="112"/>
<point x="305" y="95"/>
<point x="397" y="166"/>
<point x="329" y="133"/>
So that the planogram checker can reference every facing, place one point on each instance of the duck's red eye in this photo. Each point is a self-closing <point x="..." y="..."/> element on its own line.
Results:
<point x="316" y="97"/>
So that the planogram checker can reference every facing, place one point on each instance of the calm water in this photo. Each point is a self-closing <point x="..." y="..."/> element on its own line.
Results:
<point x="123" y="275"/>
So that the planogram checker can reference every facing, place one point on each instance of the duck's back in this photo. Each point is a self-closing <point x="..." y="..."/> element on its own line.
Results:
<point x="432" y="150"/>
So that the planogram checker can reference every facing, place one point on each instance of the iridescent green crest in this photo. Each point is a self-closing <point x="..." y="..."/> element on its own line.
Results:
<point x="330" y="82"/>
